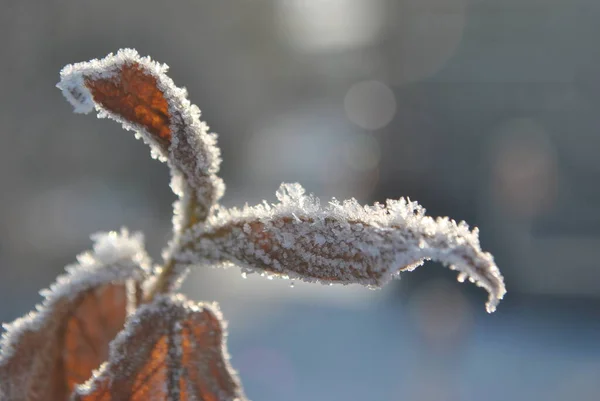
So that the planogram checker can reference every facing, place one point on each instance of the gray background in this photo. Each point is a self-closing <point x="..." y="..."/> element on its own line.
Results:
<point x="483" y="110"/>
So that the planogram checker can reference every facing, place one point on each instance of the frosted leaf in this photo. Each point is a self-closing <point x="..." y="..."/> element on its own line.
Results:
<point x="171" y="349"/>
<point x="136" y="92"/>
<point x="342" y="242"/>
<point x="46" y="353"/>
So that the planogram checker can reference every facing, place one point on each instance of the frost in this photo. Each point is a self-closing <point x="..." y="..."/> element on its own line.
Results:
<point x="342" y="242"/>
<point x="112" y="247"/>
<point x="176" y="347"/>
<point x="44" y="354"/>
<point x="136" y="92"/>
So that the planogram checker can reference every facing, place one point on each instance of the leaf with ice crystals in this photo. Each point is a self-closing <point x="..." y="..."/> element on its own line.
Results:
<point x="171" y="349"/>
<point x="136" y="92"/>
<point x="340" y="243"/>
<point x="46" y="353"/>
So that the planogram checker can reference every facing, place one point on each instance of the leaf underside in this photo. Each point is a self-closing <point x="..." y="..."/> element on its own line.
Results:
<point x="171" y="349"/>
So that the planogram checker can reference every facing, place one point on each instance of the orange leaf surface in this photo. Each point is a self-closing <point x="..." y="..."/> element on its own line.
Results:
<point x="171" y="349"/>
<point x="47" y="353"/>
<point x="134" y="95"/>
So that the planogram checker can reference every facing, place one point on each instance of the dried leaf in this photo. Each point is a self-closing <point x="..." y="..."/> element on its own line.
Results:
<point x="46" y="353"/>
<point x="341" y="243"/>
<point x="171" y="349"/>
<point x="136" y="92"/>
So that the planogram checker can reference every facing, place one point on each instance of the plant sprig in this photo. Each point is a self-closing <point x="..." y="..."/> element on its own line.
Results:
<point x="113" y="328"/>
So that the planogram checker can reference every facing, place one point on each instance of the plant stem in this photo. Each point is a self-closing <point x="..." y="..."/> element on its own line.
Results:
<point x="193" y="214"/>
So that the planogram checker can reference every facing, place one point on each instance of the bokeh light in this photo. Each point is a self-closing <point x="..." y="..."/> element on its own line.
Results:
<point x="370" y="104"/>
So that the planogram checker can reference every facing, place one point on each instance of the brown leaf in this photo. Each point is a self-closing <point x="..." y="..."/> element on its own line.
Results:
<point x="47" y="353"/>
<point x="137" y="92"/>
<point x="171" y="349"/>
<point x="342" y="243"/>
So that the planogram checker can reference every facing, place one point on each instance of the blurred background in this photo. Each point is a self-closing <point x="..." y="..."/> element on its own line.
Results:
<point x="483" y="110"/>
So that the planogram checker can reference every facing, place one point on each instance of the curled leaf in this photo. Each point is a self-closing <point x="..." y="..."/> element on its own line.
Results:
<point x="136" y="92"/>
<point x="46" y="353"/>
<point x="171" y="349"/>
<point x="340" y="243"/>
